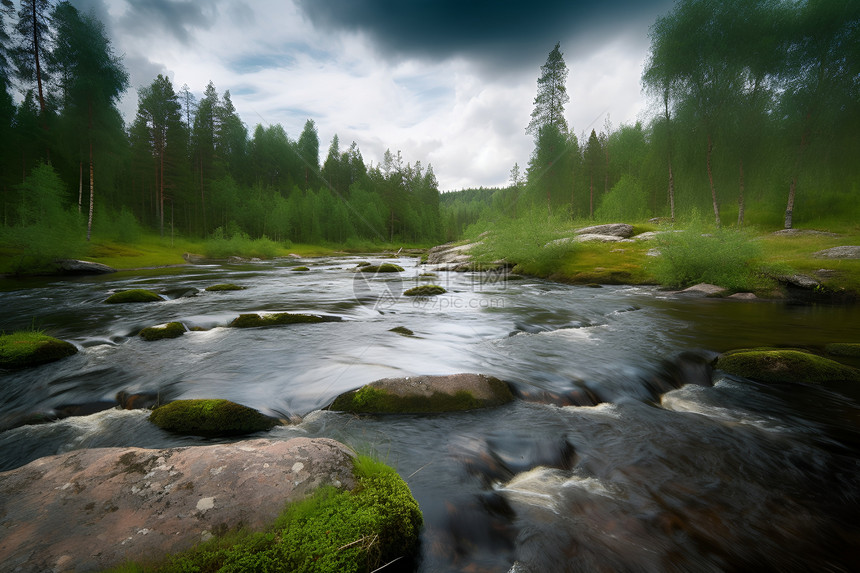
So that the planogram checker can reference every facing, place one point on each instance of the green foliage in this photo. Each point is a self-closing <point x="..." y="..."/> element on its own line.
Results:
<point x="133" y="295"/>
<point x="210" y="418"/>
<point x="355" y="531"/>
<point x="526" y="241"/>
<point x="30" y="348"/>
<point x="120" y="226"/>
<point x="626" y="201"/>
<point x="257" y="320"/>
<point x="729" y="258"/>
<point x="44" y="227"/>
<point x="844" y="349"/>
<point x="169" y="330"/>
<point x="236" y="243"/>
<point x="769" y="365"/>
<point x="425" y="290"/>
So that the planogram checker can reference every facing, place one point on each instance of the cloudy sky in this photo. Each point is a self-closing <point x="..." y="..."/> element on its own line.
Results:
<point x="447" y="82"/>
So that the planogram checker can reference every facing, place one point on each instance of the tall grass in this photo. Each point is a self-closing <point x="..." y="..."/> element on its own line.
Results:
<point x="239" y="244"/>
<point x="727" y="257"/>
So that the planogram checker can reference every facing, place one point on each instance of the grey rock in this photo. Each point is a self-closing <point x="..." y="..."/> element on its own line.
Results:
<point x="799" y="280"/>
<point x="77" y="267"/>
<point x="93" y="509"/>
<point x="703" y="289"/>
<point x="801" y="232"/>
<point x="194" y="259"/>
<point x="744" y="296"/>
<point x="450" y="253"/>
<point x="622" y="230"/>
<point x="844" y="252"/>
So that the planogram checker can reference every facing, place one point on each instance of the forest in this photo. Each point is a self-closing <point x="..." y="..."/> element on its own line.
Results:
<point x="755" y="110"/>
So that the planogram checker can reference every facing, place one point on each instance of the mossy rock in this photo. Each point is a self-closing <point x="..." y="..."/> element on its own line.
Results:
<point x="23" y="349"/>
<point x="133" y="295"/>
<point x="851" y="349"/>
<point x="362" y="264"/>
<point x="383" y="268"/>
<point x="224" y="287"/>
<point x="425" y="394"/>
<point x="281" y="318"/>
<point x="377" y="523"/>
<point x="428" y="275"/>
<point x="300" y="269"/>
<point x="785" y="365"/>
<point x="169" y="330"/>
<point x="401" y="330"/>
<point x="210" y="418"/>
<point x="425" y="290"/>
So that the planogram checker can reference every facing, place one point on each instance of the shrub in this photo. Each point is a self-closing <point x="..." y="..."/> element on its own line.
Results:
<point x="725" y="257"/>
<point x="626" y="201"/>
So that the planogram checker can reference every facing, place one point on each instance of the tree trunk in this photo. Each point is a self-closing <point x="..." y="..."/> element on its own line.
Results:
<point x="591" y="195"/>
<point x="789" y="210"/>
<point x="161" y="192"/>
<point x="92" y="187"/>
<point x="38" y="67"/>
<point x="711" y="182"/>
<point x="202" y="201"/>
<point x="741" y="195"/>
<point x="80" y="184"/>
<point x="671" y="191"/>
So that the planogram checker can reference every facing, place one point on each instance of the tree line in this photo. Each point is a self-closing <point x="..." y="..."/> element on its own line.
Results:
<point x="754" y="118"/>
<point x="184" y="165"/>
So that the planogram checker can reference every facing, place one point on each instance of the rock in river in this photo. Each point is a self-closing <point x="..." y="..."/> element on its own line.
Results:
<point x="785" y="365"/>
<point x="92" y="509"/>
<point x="425" y="394"/>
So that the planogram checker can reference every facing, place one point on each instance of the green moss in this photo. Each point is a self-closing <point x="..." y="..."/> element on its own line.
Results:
<point x="362" y="264"/>
<point x="383" y="268"/>
<point x="425" y="290"/>
<point x="224" y="287"/>
<point x="169" y="330"/>
<point x="371" y="400"/>
<point x="210" y="418"/>
<point x="133" y="295"/>
<point x="851" y="349"/>
<point x="300" y="269"/>
<point x="28" y="348"/>
<point x="355" y="531"/>
<point x="401" y="330"/>
<point x="428" y="275"/>
<point x="257" y="320"/>
<point x="785" y="366"/>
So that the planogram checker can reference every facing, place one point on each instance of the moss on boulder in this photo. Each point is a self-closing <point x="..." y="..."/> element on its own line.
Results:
<point x="785" y="365"/>
<point x="300" y="269"/>
<point x="257" y="320"/>
<point x="401" y="330"/>
<point x="169" y="330"/>
<point x="383" y="268"/>
<point x="210" y="418"/>
<point x="26" y="348"/>
<point x="350" y="531"/>
<point x="133" y="295"/>
<point x="425" y="394"/>
<point x="224" y="287"/>
<point x="851" y="349"/>
<point x="425" y="290"/>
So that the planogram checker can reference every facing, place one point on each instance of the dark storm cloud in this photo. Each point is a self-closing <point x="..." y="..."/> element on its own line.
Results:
<point x="174" y="17"/>
<point x="498" y="33"/>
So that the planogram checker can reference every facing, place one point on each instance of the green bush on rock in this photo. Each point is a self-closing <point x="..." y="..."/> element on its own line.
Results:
<point x="777" y="365"/>
<point x="356" y="531"/>
<point x="133" y="295"/>
<point x="210" y="418"/>
<point x="27" y="348"/>
<point x="257" y="320"/>
<point x="169" y="330"/>
<point x="425" y="290"/>
<point x="224" y="287"/>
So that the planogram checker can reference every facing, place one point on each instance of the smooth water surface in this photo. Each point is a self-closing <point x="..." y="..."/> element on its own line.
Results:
<point x="625" y="453"/>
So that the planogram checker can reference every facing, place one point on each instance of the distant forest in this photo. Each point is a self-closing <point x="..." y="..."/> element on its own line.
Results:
<point x="755" y="119"/>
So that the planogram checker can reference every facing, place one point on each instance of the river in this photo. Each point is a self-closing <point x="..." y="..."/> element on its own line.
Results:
<point x="626" y="453"/>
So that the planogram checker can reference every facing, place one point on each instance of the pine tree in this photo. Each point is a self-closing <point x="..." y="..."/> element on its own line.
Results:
<point x="551" y="97"/>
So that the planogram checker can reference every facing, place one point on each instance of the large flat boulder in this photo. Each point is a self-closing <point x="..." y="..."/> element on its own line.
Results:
<point x="844" y="252"/>
<point x="78" y="267"/>
<point x="450" y="254"/>
<point x="92" y="509"/>
<point x="425" y="394"/>
<point x="621" y="230"/>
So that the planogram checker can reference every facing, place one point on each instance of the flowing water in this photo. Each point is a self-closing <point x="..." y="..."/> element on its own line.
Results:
<point x="625" y="451"/>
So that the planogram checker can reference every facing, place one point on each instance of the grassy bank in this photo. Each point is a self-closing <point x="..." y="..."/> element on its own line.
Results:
<point x="690" y="252"/>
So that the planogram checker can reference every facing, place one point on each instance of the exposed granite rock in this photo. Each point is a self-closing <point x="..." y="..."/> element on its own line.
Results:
<point x="450" y="253"/>
<point x="76" y="267"/>
<point x="801" y="232"/>
<point x="703" y="289"/>
<point x="844" y="252"/>
<point x="620" y="230"/>
<point x="425" y="394"/>
<point x="744" y="296"/>
<point x="92" y="509"/>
